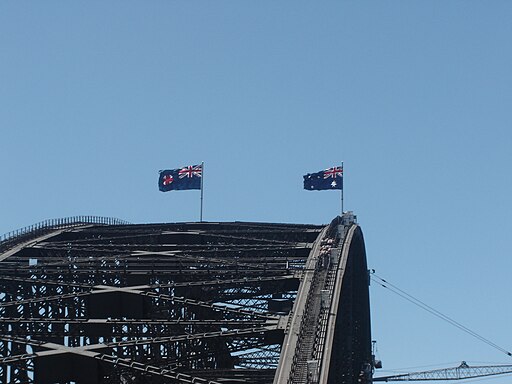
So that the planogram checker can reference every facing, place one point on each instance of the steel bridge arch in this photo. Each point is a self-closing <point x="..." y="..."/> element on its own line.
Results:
<point x="185" y="303"/>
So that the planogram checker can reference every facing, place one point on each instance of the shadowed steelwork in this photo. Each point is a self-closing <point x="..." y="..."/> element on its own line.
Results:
<point x="188" y="303"/>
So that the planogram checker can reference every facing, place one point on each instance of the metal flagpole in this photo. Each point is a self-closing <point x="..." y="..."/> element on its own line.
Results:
<point x="342" y="187"/>
<point x="202" y="178"/>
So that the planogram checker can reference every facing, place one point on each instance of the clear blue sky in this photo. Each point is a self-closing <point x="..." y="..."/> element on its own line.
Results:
<point x="414" y="96"/>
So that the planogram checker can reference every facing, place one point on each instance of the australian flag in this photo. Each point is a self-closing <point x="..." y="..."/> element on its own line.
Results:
<point x="188" y="177"/>
<point x="331" y="178"/>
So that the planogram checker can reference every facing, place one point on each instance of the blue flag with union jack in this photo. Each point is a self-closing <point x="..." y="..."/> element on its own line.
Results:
<point x="188" y="177"/>
<point x="331" y="178"/>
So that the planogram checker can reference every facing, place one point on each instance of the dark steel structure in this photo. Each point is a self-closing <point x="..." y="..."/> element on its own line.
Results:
<point x="92" y="300"/>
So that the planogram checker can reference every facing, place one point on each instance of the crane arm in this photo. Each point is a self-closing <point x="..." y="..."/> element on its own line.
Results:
<point x="463" y="371"/>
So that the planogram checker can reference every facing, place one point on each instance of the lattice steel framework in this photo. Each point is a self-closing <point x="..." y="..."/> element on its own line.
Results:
<point x="170" y="303"/>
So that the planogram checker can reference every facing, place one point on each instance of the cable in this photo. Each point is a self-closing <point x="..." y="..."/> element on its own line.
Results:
<point x="385" y="284"/>
<point x="436" y="313"/>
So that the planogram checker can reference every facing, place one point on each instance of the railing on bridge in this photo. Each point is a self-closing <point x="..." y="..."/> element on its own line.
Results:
<point x="12" y="238"/>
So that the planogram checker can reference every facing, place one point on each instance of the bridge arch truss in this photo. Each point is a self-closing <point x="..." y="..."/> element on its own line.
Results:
<point x="186" y="303"/>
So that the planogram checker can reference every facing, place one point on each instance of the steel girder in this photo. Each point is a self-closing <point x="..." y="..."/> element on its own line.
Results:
<point x="197" y="302"/>
<point x="169" y="303"/>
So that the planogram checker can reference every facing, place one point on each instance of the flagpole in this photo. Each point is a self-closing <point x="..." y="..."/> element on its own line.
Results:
<point x="342" y="186"/>
<point x="202" y="178"/>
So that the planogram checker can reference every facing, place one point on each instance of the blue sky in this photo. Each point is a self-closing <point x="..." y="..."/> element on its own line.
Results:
<point x="414" y="96"/>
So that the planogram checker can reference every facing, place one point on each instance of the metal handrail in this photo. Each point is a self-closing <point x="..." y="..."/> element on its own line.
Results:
<point x="35" y="230"/>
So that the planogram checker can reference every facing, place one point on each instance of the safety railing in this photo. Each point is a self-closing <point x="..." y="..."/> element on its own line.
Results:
<point x="32" y="231"/>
